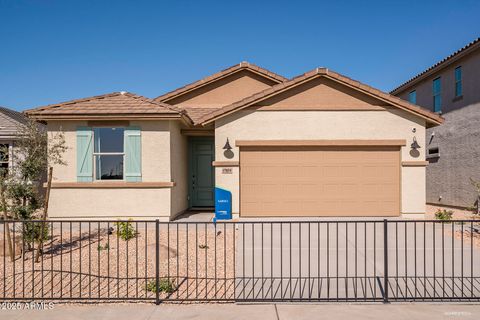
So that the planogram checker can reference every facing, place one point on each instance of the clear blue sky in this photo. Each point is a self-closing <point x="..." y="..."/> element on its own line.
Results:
<point x="52" y="51"/>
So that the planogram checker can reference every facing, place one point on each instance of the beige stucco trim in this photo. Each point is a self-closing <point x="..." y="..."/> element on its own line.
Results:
<point x="225" y="163"/>
<point x="109" y="117"/>
<point x="112" y="185"/>
<point x="198" y="132"/>
<point x="108" y="123"/>
<point x="414" y="163"/>
<point x="320" y="108"/>
<point x="315" y="143"/>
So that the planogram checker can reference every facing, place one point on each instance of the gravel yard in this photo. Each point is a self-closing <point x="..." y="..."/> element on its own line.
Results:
<point x="89" y="262"/>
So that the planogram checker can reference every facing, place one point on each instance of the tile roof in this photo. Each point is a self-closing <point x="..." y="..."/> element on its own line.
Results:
<point x="197" y="113"/>
<point x="116" y="103"/>
<point x="475" y="44"/>
<point x="11" y="122"/>
<point x="214" y="77"/>
<point x="431" y="117"/>
<point x="16" y="116"/>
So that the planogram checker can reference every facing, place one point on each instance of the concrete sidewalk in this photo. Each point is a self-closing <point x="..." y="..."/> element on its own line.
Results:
<point x="250" y="312"/>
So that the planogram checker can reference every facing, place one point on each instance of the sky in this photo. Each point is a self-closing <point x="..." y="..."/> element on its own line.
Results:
<point x="54" y="51"/>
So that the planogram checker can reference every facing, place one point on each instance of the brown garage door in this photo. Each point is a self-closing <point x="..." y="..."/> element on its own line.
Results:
<point x="320" y="181"/>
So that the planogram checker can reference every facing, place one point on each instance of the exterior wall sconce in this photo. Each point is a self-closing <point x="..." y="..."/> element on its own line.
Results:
<point x="228" y="153"/>
<point x="227" y="146"/>
<point x="415" y="144"/>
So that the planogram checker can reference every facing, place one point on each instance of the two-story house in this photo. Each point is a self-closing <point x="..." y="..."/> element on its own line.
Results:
<point x="451" y="88"/>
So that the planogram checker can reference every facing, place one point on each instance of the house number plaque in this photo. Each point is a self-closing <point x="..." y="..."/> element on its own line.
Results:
<point x="226" y="170"/>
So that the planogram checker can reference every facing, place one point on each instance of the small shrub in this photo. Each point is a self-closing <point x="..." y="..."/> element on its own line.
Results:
<point x="445" y="215"/>
<point x="105" y="247"/>
<point x="164" y="285"/>
<point x="125" y="230"/>
<point x="32" y="232"/>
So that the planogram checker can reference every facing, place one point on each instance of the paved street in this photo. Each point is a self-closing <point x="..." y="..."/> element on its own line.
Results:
<point x="250" y="312"/>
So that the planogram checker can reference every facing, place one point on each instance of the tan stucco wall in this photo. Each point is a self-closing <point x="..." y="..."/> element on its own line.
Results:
<point x="470" y="94"/>
<point x="413" y="196"/>
<point x="179" y="164"/>
<point x="321" y="93"/>
<point x="115" y="202"/>
<point x="312" y="125"/>
<point x="68" y="172"/>
<point x="110" y="203"/>
<point x="223" y="92"/>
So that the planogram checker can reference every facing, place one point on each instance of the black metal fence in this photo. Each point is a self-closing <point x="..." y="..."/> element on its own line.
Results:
<point x="342" y="260"/>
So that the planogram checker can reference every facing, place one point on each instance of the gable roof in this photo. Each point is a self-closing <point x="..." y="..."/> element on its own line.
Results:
<point x="10" y="122"/>
<point x="117" y="104"/>
<point x="431" y="118"/>
<point x="220" y="75"/>
<point x="196" y="113"/>
<point x="474" y="45"/>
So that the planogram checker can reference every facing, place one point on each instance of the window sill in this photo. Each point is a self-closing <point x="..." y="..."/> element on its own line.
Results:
<point x="457" y="99"/>
<point x="111" y="185"/>
<point x="414" y="163"/>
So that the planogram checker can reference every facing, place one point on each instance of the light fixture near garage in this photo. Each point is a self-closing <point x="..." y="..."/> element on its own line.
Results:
<point x="227" y="146"/>
<point x="228" y="153"/>
<point x="415" y="144"/>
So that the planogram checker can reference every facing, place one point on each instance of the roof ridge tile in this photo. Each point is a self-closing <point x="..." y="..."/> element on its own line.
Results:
<point x="265" y="94"/>
<point x="437" y="64"/>
<point x="218" y="75"/>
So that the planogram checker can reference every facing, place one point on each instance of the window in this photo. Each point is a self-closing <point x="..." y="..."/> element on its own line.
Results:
<point x="4" y="157"/>
<point x="458" y="81"/>
<point x="412" y="97"/>
<point x="108" y="153"/>
<point x="433" y="152"/>
<point x="437" y="98"/>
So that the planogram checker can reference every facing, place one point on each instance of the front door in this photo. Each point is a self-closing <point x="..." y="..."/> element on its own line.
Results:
<point x="201" y="175"/>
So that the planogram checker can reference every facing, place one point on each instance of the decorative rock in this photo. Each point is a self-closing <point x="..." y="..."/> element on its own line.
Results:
<point x="4" y="245"/>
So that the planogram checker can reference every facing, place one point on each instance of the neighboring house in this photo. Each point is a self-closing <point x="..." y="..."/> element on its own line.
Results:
<point x="10" y="124"/>
<point x="451" y="88"/>
<point x="319" y="144"/>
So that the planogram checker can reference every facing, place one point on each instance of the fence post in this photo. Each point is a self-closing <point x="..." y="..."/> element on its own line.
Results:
<point x="157" y="262"/>
<point x="385" y="261"/>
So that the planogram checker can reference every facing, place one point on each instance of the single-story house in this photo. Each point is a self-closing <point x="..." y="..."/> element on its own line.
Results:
<point x="320" y="144"/>
<point x="11" y="123"/>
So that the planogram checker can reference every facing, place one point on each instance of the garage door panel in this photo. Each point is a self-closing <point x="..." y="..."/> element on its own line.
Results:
<point x="320" y="181"/>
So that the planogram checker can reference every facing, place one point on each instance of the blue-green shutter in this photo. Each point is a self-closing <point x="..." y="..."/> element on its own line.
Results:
<point x="133" y="154"/>
<point x="84" y="154"/>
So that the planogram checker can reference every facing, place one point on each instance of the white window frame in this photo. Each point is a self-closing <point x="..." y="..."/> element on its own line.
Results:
<point x="107" y="154"/>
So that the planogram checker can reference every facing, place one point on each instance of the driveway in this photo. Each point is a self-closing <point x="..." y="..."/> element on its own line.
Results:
<point x="326" y="260"/>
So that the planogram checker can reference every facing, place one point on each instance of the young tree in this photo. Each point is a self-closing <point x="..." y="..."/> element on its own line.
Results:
<point x="21" y="187"/>
<point x="476" y="185"/>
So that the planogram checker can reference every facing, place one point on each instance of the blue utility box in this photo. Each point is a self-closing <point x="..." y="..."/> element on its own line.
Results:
<point x="223" y="204"/>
